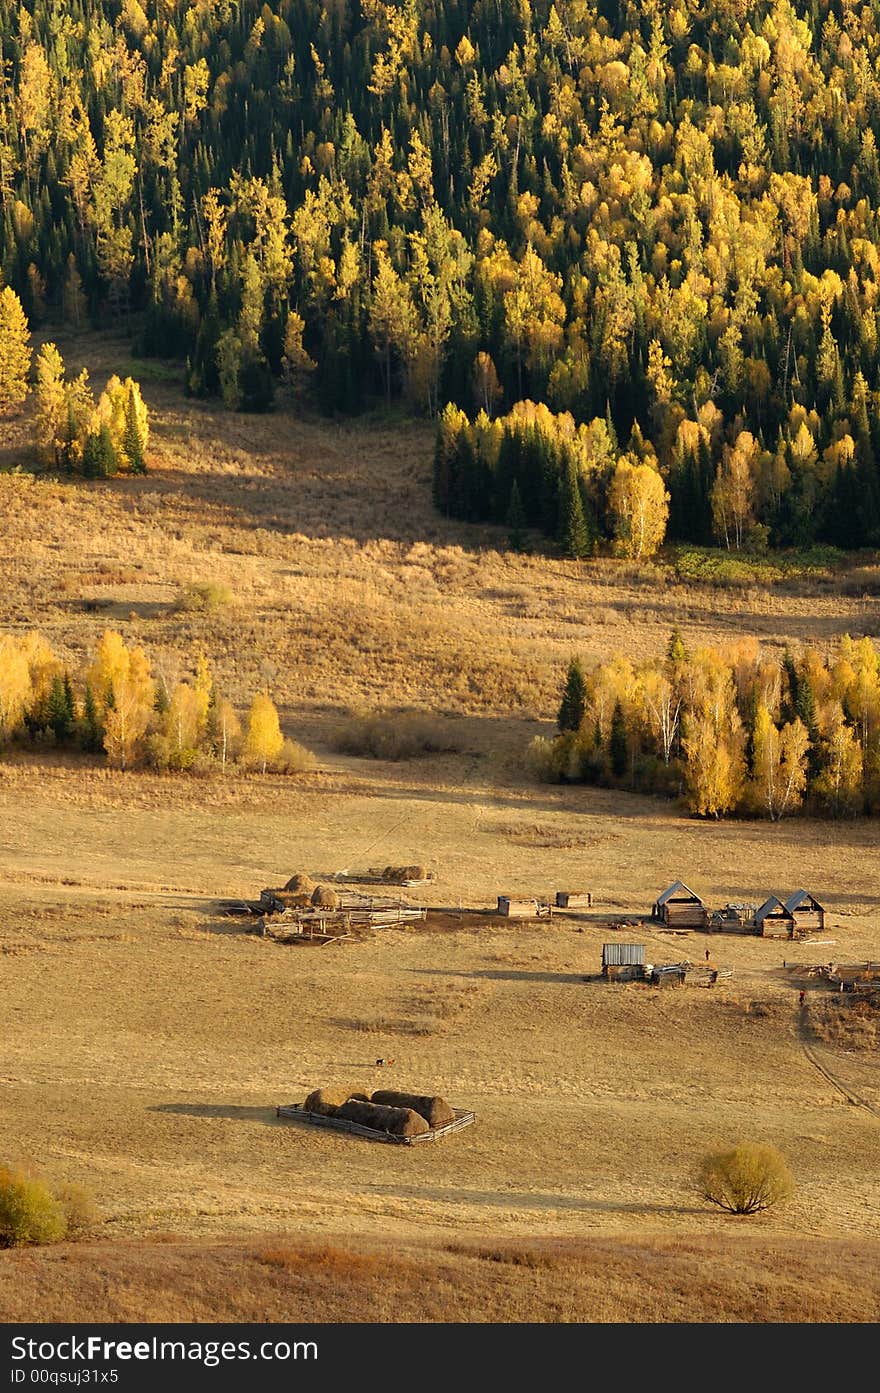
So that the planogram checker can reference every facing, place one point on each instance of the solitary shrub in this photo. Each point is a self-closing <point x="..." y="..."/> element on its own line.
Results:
<point x="202" y="598"/>
<point x="29" y="1212"/>
<point x="78" y="1208"/>
<point x="747" y="1178"/>
<point x="293" y="758"/>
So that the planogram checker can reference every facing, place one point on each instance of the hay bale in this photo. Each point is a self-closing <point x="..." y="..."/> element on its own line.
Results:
<point x="436" y="1111"/>
<point x="300" y="884"/>
<point x="325" y="898"/>
<point x="326" y="1101"/>
<point x="398" y="875"/>
<point x="400" y="1122"/>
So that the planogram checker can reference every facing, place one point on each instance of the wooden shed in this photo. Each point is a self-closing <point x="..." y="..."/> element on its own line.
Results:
<point x="680" y="908"/>
<point x="772" y="919"/>
<point x="523" y="909"/>
<point x="573" y="899"/>
<point x="623" y="961"/>
<point x="807" y="915"/>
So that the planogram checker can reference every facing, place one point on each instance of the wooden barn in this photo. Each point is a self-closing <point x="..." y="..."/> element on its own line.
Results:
<point x="807" y="915"/>
<point x="772" y="919"/>
<point x="623" y="961"/>
<point x="680" y="908"/>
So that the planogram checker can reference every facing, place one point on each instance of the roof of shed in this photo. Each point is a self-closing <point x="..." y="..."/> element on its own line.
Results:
<point x="768" y="907"/>
<point x="674" y="893"/>
<point x="796" y="900"/>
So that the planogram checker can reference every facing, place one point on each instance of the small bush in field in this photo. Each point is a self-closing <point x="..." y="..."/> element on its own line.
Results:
<point x="202" y="598"/>
<point x="29" y="1212"/>
<point x="746" y="1178"/>
<point x="78" y="1208"/>
<point x="293" y="758"/>
<point x="395" y="735"/>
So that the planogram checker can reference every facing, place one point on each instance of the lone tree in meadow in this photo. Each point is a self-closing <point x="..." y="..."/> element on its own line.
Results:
<point x="746" y="1178"/>
<point x="15" y="352"/>
<point x="263" y="741"/>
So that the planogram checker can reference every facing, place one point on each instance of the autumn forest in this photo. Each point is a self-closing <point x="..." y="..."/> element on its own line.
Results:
<point x="649" y="232"/>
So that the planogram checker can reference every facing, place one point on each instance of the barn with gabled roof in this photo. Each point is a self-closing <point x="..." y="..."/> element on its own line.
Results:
<point x="807" y="914"/>
<point x="680" y="908"/>
<point x="772" y="919"/>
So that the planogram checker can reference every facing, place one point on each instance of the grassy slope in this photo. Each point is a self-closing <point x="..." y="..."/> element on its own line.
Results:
<point x="151" y="1040"/>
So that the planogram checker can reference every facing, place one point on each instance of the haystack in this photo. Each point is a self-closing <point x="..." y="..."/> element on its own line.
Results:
<point x="435" y="1111"/>
<point x="400" y="1122"/>
<point x="397" y="875"/>
<point x="325" y="898"/>
<point x="300" y="884"/>
<point x="326" y="1101"/>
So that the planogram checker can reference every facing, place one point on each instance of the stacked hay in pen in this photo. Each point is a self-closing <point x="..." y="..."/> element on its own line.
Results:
<point x="326" y="1101"/>
<point x="298" y="891"/>
<point x="324" y="898"/>
<point x="436" y="1111"/>
<point x="399" y="1122"/>
<point x="399" y="875"/>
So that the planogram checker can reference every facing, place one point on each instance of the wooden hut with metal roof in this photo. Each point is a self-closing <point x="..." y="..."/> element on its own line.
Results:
<point x="772" y="919"/>
<point x="680" y="908"/>
<point x="807" y="914"/>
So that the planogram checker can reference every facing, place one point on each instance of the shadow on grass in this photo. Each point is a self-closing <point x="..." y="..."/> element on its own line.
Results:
<point x="229" y="1111"/>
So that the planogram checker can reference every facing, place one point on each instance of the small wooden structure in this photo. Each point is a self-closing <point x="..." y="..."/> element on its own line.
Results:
<point x="668" y="975"/>
<point x="523" y="909"/>
<point x="735" y="918"/>
<point x="850" y="977"/>
<point x="623" y="962"/>
<point x="680" y="908"/>
<point x="574" y="899"/>
<point x="807" y="914"/>
<point x="772" y="919"/>
<point x="463" y="1118"/>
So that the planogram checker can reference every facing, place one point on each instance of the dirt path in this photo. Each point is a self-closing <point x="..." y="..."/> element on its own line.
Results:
<point x="854" y="1098"/>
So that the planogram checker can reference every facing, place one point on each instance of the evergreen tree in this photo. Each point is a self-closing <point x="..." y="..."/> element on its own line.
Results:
<point x="99" y="454"/>
<point x="572" y="532"/>
<point x="92" y="734"/>
<point x="618" y="748"/>
<point x="675" y="649"/>
<point x="516" y="520"/>
<point x="574" y="698"/>
<point x="59" y="713"/>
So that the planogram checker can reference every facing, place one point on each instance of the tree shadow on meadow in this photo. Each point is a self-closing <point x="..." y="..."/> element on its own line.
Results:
<point x="228" y="1111"/>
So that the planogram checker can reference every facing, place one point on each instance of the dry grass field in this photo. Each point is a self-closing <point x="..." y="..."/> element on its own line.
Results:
<point x="147" y="1039"/>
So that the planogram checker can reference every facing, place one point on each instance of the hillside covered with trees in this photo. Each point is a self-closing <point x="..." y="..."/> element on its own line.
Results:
<point x="738" y="731"/>
<point x="661" y="220"/>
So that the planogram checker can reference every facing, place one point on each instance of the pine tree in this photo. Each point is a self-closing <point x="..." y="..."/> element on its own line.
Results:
<point x="92" y="736"/>
<point x="618" y="748"/>
<point x="133" y="443"/>
<point x="574" y="698"/>
<point x="516" y="520"/>
<point x="572" y="533"/>
<point x="675" y="649"/>
<point x="59" y="716"/>
<point x="99" y="460"/>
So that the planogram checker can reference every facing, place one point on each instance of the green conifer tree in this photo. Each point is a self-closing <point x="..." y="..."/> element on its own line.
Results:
<point x="574" y="698"/>
<point x="572" y="533"/>
<point x="618" y="748"/>
<point x="516" y="520"/>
